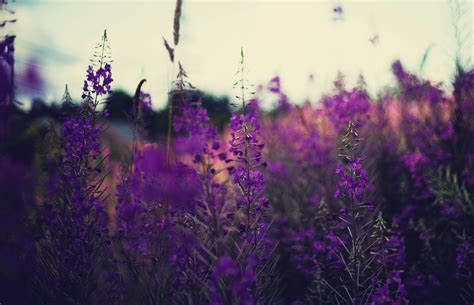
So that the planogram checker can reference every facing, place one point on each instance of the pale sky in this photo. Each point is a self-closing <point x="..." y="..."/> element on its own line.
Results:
<point x="291" y="38"/>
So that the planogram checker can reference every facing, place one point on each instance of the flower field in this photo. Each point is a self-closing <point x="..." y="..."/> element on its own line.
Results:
<point x="354" y="198"/>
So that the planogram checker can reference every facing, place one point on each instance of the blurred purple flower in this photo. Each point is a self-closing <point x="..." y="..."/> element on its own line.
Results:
<point x="154" y="181"/>
<point x="392" y="292"/>
<point x="238" y="282"/>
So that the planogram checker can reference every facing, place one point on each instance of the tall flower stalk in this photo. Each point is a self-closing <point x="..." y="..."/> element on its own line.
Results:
<point x="353" y="182"/>
<point x="369" y="255"/>
<point x="73" y="250"/>
<point x="246" y="151"/>
<point x="252" y="264"/>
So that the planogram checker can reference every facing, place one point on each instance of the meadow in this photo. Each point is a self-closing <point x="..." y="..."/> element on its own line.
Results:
<point x="354" y="198"/>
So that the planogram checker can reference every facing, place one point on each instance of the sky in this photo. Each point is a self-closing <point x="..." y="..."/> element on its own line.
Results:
<point x="293" y="39"/>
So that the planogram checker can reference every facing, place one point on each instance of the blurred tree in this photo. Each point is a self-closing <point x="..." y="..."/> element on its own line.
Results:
<point x="119" y="104"/>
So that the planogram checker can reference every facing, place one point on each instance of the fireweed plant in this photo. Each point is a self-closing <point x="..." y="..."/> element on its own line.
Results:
<point x="206" y="237"/>
<point x="367" y="254"/>
<point x="247" y="275"/>
<point x="73" y="250"/>
<point x="355" y="199"/>
<point x="410" y="253"/>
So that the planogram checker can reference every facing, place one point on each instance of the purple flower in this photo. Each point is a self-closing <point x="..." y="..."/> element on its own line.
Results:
<point x="353" y="179"/>
<point x="81" y="140"/>
<point x="464" y="260"/>
<point x="90" y="74"/>
<point x="347" y="106"/>
<point x="193" y="123"/>
<point x="274" y="86"/>
<point x="74" y="243"/>
<point x="98" y="82"/>
<point x="145" y="101"/>
<point x="417" y="163"/>
<point x="156" y="182"/>
<point x="31" y="77"/>
<point x="415" y="89"/>
<point x="246" y="151"/>
<point x="392" y="292"/>
<point x="238" y="282"/>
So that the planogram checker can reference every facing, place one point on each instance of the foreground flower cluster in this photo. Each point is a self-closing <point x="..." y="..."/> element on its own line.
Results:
<point x="349" y="200"/>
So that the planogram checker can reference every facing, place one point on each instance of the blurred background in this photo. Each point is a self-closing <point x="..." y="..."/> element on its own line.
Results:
<point x="305" y="42"/>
